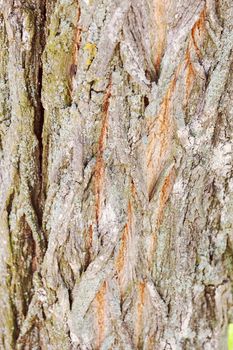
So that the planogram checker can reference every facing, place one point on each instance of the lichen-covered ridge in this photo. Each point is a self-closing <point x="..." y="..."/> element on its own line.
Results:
<point x="115" y="174"/>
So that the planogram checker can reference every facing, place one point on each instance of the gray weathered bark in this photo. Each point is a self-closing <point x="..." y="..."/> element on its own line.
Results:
<point x="116" y="129"/>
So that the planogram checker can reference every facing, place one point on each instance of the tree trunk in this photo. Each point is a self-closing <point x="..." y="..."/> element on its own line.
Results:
<point x="116" y="129"/>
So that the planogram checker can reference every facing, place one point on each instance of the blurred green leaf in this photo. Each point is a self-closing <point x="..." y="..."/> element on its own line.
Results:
<point x="230" y="336"/>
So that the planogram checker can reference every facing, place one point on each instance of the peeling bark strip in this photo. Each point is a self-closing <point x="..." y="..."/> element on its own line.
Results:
<point x="116" y="185"/>
<point x="99" y="170"/>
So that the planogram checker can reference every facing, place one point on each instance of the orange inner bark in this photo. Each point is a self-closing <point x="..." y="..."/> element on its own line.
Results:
<point x="101" y="313"/>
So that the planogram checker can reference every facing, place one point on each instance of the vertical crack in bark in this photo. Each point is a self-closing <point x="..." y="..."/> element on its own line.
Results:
<point x="29" y="244"/>
<point x="10" y="286"/>
<point x="39" y="132"/>
<point x="39" y="121"/>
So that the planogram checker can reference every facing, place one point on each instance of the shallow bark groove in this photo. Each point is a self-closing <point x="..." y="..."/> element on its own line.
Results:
<point x="116" y="174"/>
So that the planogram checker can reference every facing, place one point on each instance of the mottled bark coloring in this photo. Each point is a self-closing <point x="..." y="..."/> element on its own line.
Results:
<point x="116" y="174"/>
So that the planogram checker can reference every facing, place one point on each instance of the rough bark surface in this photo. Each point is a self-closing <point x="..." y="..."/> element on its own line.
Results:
<point x="116" y="174"/>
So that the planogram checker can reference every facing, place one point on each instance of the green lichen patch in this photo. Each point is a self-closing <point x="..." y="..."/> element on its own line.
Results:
<point x="57" y="55"/>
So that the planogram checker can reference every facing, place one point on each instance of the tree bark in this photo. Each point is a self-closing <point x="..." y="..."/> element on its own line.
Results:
<point x="116" y="129"/>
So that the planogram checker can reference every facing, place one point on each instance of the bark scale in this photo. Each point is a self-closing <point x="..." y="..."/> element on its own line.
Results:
<point x="116" y="129"/>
